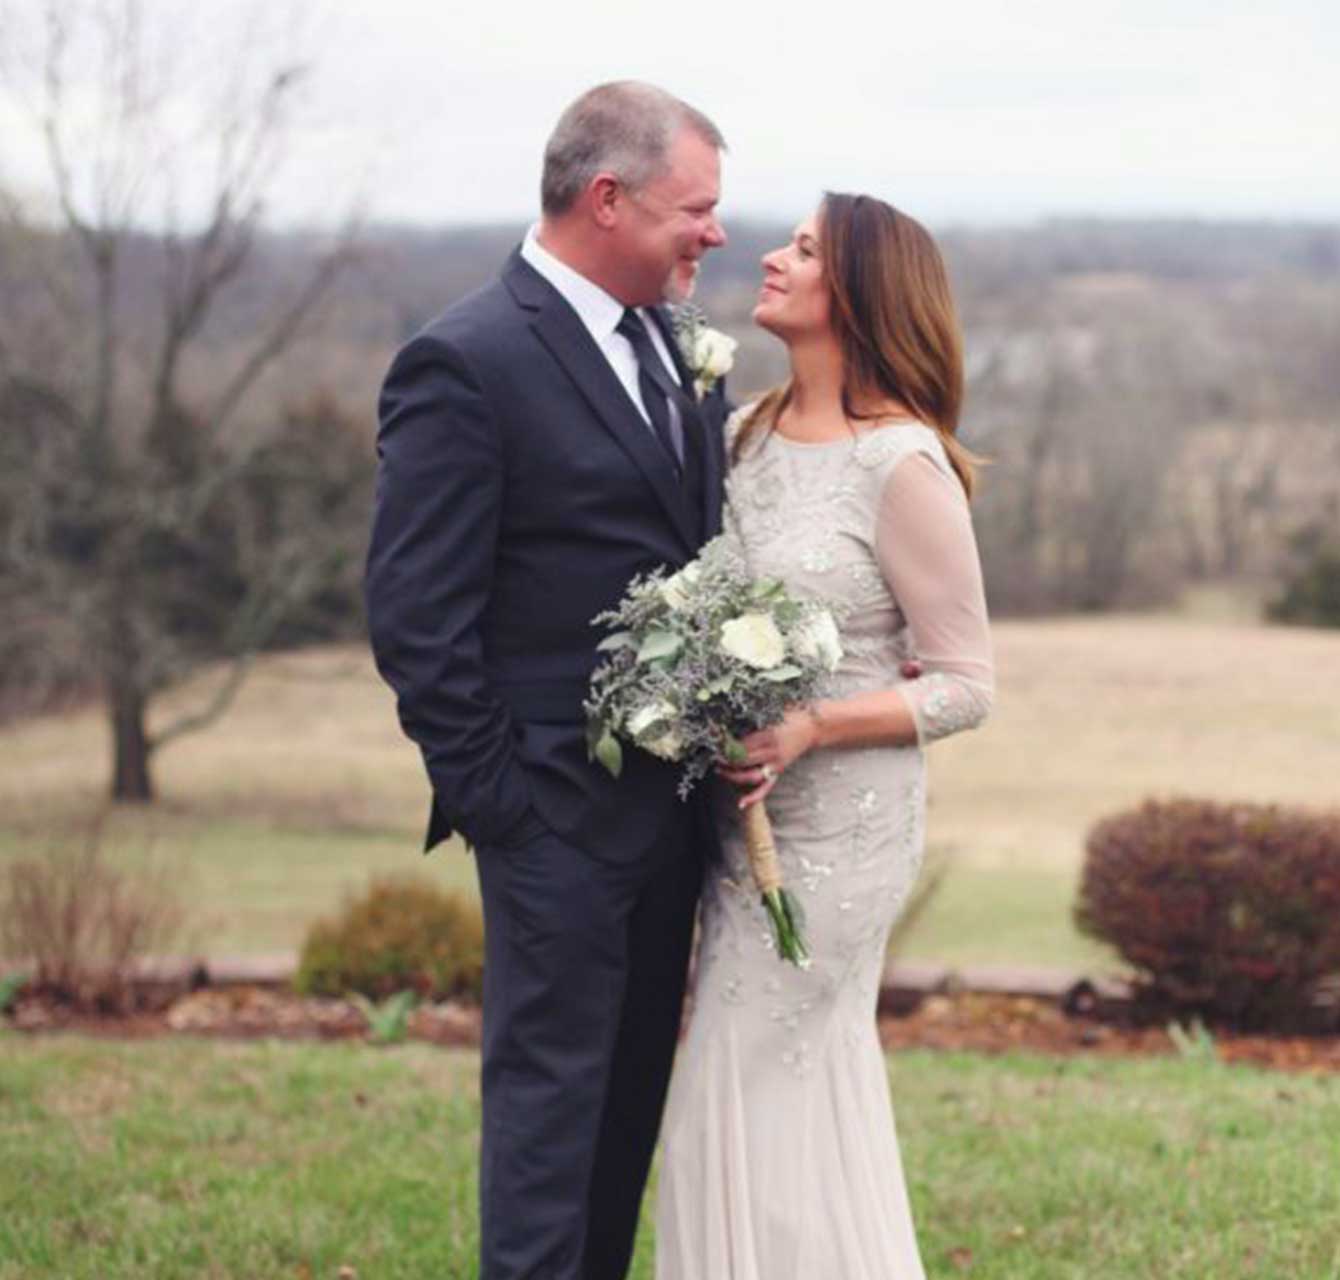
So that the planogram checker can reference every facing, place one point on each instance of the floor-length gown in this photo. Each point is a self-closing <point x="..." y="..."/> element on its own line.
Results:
<point x="780" y="1157"/>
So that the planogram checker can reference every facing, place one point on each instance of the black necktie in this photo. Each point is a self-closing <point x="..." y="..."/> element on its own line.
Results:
<point x="656" y="386"/>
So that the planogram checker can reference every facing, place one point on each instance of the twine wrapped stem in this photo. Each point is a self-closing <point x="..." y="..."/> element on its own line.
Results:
<point x="783" y="910"/>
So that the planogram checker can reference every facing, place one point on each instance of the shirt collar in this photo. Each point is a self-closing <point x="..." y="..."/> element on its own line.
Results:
<point x="599" y="311"/>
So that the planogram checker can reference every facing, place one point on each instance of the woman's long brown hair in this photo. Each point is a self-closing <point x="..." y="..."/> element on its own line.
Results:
<point x="893" y="314"/>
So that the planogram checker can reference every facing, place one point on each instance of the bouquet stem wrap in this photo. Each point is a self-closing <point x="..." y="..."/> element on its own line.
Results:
<point x="783" y="910"/>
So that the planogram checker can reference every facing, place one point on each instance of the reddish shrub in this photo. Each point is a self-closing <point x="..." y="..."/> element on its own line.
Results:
<point x="1232" y="910"/>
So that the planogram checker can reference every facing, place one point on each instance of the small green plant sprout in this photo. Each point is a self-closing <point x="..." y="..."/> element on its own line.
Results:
<point x="1194" y="1042"/>
<point x="388" y="1020"/>
<point x="10" y="986"/>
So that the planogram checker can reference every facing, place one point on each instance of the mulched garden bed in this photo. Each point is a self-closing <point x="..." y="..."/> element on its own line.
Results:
<point x="982" y="1022"/>
<point x="245" y="1012"/>
<point x="992" y="1023"/>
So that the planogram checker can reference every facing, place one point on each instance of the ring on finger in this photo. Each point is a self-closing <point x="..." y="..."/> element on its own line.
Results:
<point x="768" y="772"/>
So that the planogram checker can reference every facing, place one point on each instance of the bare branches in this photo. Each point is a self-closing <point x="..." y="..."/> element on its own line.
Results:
<point x="146" y="529"/>
<point x="220" y="701"/>
<point x="284" y="329"/>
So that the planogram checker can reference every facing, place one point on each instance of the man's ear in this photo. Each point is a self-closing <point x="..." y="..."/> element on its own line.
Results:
<point x="604" y="194"/>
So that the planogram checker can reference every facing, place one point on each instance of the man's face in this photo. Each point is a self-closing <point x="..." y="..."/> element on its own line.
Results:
<point x="669" y="224"/>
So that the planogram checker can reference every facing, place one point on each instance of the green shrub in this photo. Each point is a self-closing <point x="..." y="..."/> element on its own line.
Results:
<point x="402" y="933"/>
<point x="1311" y="594"/>
<point x="1232" y="910"/>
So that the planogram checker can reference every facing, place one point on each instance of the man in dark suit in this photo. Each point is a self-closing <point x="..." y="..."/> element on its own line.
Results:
<point x="541" y="443"/>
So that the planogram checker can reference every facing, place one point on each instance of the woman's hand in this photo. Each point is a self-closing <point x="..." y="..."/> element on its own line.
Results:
<point x="769" y="753"/>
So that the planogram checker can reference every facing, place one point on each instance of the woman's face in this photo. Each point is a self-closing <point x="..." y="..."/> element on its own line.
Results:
<point x="793" y="300"/>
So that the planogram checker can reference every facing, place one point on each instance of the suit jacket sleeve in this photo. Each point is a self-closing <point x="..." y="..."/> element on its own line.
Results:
<point x="429" y="577"/>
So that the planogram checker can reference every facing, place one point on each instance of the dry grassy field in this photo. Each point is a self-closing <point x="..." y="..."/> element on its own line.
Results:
<point x="307" y="785"/>
<point x="1094" y="715"/>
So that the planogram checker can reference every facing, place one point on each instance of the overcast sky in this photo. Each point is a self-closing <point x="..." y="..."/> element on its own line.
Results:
<point x="957" y="111"/>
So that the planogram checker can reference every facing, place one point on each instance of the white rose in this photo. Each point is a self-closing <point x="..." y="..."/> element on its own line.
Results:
<point x="667" y="744"/>
<point x="714" y="353"/>
<point x="648" y="714"/>
<point x="754" y="638"/>
<point x="675" y="590"/>
<point x="667" y="747"/>
<point x="818" y="640"/>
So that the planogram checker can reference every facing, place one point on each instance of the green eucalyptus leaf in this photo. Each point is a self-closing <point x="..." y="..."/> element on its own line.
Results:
<point x="659" y="643"/>
<point x="722" y="684"/>
<point x="610" y="753"/>
<point x="766" y="589"/>
<point x="619" y="640"/>
<point x="787" y="671"/>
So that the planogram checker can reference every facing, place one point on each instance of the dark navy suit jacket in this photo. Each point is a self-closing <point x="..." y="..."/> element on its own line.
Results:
<point x="518" y="491"/>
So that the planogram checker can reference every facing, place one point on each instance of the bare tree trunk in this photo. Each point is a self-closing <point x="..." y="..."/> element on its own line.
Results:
<point x="126" y="701"/>
<point x="127" y="708"/>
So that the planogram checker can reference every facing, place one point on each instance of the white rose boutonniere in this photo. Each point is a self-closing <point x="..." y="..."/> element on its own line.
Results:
<point x="708" y="352"/>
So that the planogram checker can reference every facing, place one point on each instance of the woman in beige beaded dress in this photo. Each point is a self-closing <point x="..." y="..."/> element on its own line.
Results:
<point x="780" y="1157"/>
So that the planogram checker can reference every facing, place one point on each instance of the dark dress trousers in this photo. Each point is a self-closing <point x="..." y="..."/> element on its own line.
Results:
<point x="519" y="490"/>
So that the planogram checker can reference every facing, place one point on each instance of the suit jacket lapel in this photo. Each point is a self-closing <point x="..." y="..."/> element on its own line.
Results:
<point x="706" y="423"/>
<point x="568" y="339"/>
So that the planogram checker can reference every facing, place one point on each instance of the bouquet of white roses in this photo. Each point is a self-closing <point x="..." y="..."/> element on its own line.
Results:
<point x="699" y="659"/>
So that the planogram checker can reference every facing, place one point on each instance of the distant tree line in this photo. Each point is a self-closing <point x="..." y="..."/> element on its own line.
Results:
<point x="187" y="410"/>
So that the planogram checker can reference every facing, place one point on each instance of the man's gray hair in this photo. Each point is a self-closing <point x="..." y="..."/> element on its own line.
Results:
<point x="625" y="128"/>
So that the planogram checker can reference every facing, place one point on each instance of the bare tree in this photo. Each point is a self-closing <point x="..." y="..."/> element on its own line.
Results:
<point x="142" y="532"/>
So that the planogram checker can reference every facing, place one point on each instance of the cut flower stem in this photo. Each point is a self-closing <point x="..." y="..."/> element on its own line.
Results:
<point x="783" y="911"/>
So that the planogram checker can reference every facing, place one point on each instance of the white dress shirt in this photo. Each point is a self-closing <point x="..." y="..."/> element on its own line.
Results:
<point x="600" y="313"/>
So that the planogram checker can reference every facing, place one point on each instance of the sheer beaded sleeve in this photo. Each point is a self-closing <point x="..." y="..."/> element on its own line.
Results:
<point x="926" y="550"/>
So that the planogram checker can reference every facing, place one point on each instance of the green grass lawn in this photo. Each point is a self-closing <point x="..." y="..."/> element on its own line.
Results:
<point x="993" y="915"/>
<point x="179" y="1158"/>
